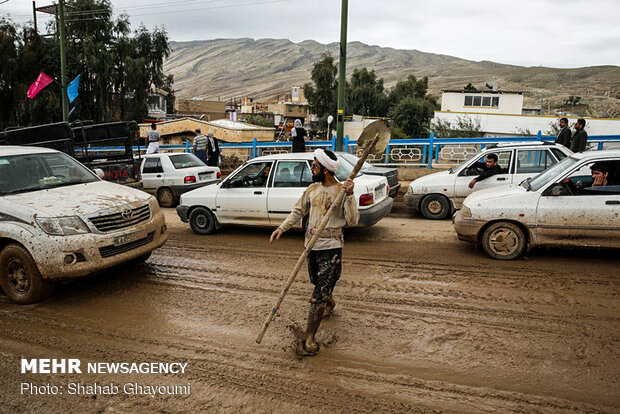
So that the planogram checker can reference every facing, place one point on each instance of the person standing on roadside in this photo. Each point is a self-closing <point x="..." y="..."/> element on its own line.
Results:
<point x="299" y="135"/>
<point x="152" y="138"/>
<point x="213" y="151"/>
<point x="325" y="258"/>
<point x="564" y="134"/>
<point x="200" y="145"/>
<point x="580" y="137"/>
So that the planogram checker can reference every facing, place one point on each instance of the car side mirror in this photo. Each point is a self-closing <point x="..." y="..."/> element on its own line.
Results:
<point x="99" y="172"/>
<point x="556" y="190"/>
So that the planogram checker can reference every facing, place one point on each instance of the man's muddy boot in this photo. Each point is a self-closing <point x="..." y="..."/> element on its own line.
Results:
<point x="308" y="346"/>
<point x="329" y="307"/>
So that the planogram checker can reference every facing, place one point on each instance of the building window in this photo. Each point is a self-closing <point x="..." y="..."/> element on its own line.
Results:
<point x="489" y="101"/>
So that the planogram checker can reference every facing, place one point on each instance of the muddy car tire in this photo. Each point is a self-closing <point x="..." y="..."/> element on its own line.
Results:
<point x="20" y="277"/>
<point x="165" y="198"/>
<point x="504" y="241"/>
<point x="435" y="207"/>
<point x="202" y="221"/>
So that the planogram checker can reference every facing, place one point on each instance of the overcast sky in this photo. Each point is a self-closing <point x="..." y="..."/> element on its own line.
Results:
<point x="555" y="33"/>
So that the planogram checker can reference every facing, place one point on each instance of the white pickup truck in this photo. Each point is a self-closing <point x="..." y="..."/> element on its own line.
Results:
<point x="170" y="175"/>
<point x="59" y="220"/>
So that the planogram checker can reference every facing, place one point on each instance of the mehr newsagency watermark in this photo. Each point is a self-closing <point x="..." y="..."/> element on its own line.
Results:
<point x="75" y="366"/>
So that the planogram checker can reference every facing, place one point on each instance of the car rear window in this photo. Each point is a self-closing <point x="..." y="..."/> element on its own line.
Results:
<point x="558" y="154"/>
<point x="182" y="161"/>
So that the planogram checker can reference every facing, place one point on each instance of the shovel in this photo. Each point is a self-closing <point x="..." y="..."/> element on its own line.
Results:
<point x="374" y="139"/>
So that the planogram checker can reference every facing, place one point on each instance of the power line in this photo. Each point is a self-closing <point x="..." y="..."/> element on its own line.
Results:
<point x="141" y="7"/>
<point x="187" y="10"/>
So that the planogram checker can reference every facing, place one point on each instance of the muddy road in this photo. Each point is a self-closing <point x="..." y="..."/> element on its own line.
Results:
<point x="422" y="323"/>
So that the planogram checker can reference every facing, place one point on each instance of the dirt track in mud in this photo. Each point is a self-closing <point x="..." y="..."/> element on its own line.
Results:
<point x="422" y="323"/>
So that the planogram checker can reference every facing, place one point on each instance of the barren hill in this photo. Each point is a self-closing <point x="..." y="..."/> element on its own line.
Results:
<point x="265" y="68"/>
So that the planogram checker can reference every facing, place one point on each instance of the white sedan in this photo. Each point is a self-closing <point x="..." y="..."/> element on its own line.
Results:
<point x="263" y="191"/>
<point x="562" y="206"/>
<point x="170" y="175"/>
<point x="437" y="195"/>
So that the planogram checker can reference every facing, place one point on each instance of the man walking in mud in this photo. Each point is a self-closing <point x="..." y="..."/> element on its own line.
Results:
<point x="325" y="258"/>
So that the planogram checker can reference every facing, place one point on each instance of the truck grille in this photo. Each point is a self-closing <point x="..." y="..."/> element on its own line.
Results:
<point x="109" y="251"/>
<point x="121" y="220"/>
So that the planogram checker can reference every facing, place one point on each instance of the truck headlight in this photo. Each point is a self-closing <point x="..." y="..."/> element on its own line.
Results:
<point x="63" y="226"/>
<point x="154" y="205"/>
<point x="465" y="212"/>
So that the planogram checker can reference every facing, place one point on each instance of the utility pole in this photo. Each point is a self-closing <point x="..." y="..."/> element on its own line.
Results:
<point x="342" y="76"/>
<point x="63" y="59"/>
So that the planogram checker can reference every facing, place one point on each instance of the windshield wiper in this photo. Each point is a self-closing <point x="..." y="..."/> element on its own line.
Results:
<point x="20" y="190"/>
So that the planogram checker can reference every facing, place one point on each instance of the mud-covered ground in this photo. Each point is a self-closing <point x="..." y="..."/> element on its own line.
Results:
<point x="423" y="323"/>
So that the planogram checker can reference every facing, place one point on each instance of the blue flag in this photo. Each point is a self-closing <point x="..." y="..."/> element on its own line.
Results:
<point x="72" y="89"/>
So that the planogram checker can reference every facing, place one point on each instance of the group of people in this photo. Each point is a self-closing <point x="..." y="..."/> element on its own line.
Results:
<point x="206" y="147"/>
<point x="575" y="142"/>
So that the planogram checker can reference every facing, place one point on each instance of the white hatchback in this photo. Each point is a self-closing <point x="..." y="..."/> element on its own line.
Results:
<point x="437" y="195"/>
<point x="559" y="207"/>
<point x="170" y="175"/>
<point x="263" y="191"/>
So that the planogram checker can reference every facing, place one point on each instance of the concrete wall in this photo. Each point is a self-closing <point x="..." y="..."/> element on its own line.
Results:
<point x="224" y="130"/>
<point x="509" y="103"/>
<point x="510" y="125"/>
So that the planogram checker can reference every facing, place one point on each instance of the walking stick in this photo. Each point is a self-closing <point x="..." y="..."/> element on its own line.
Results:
<point x="381" y="134"/>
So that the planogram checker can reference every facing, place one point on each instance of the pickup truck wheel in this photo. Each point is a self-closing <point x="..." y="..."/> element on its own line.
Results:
<point x="165" y="197"/>
<point x="503" y="241"/>
<point x="435" y="207"/>
<point x="20" y="277"/>
<point x="202" y="221"/>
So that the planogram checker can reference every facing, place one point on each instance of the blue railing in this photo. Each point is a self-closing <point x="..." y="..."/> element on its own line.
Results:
<point x="413" y="152"/>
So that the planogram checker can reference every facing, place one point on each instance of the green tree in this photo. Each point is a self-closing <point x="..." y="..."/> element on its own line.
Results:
<point x="367" y="96"/>
<point x="470" y="87"/>
<point x="408" y="87"/>
<point x="412" y="115"/>
<point x="118" y="68"/>
<point x="323" y="95"/>
<point x="411" y="108"/>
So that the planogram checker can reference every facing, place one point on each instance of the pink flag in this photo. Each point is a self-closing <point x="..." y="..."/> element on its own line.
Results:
<point x="42" y="81"/>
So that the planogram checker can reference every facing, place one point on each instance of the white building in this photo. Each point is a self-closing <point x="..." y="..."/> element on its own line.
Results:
<point x="497" y="125"/>
<point x="487" y="101"/>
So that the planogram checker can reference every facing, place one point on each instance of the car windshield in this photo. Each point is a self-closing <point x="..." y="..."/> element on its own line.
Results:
<point x="551" y="173"/>
<point x="181" y="161"/>
<point x="352" y="159"/>
<point x="33" y="172"/>
<point x="344" y="170"/>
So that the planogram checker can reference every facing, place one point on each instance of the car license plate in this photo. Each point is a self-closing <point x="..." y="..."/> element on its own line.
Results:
<point x="203" y="176"/>
<point x="379" y="192"/>
<point x="126" y="238"/>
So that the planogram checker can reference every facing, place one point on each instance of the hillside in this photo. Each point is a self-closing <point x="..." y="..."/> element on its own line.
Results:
<point x="265" y="68"/>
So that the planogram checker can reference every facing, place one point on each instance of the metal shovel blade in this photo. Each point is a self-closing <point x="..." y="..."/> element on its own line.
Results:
<point x="379" y="127"/>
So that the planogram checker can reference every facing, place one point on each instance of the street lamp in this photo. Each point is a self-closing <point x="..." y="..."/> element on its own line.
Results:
<point x="330" y="119"/>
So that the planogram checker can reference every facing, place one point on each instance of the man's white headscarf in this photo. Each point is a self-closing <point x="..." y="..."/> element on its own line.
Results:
<point x="297" y="123"/>
<point x="325" y="161"/>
